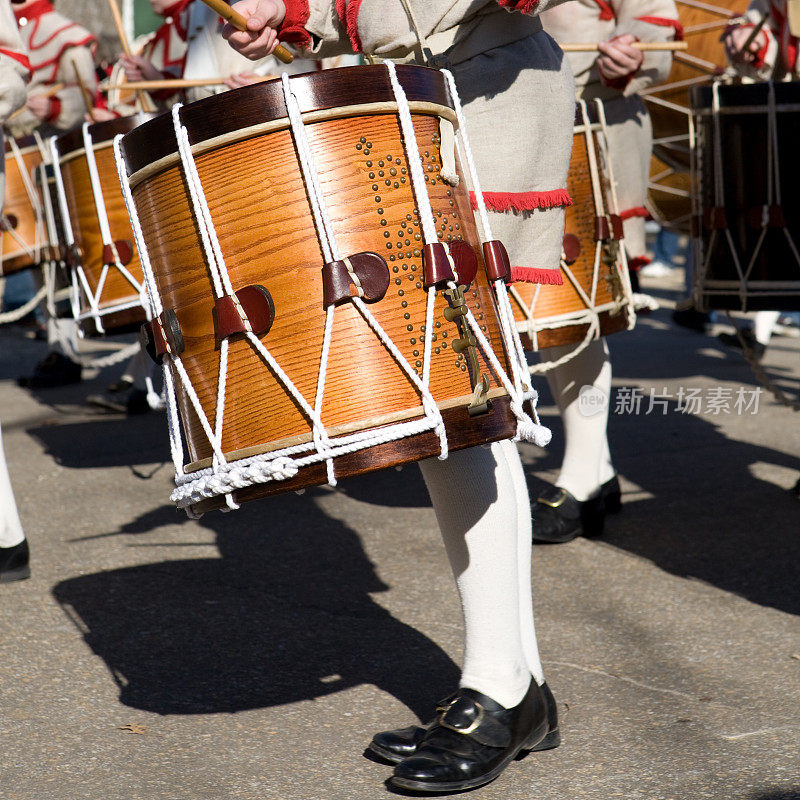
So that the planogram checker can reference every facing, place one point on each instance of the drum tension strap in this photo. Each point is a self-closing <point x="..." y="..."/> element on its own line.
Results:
<point x="498" y="264"/>
<point x="459" y="266"/>
<point x="8" y="223"/>
<point x="364" y="275"/>
<point x="119" y="251"/>
<point x="162" y="336"/>
<point x="249" y="310"/>
<point x="766" y="217"/>
<point x="608" y="227"/>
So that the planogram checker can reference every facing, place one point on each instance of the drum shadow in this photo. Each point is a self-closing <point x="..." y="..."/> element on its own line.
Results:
<point x="106" y="441"/>
<point x="284" y="615"/>
<point x="717" y="510"/>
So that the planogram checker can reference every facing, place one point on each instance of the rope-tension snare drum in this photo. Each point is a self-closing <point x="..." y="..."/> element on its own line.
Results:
<point x="24" y="237"/>
<point x="747" y="212"/>
<point x="670" y="197"/>
<point x="107" y="282"/>
<point x="311" y="259"/>
<point x="595" y="298"/>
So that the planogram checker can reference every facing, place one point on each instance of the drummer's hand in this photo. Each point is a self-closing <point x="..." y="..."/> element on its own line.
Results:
<point x="263" y="18"/>
<point x="735" y="41"/>
<point x="618" y="58"/>
<point x="245" y="79"/>
<point x="100" y="115"/>
<point x="139" y="69"/>
<point x="39" y="106"/>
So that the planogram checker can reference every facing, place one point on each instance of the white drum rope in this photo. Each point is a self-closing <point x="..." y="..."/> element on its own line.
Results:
<point x="33" y="250"/>
<point x="19" y="313"/>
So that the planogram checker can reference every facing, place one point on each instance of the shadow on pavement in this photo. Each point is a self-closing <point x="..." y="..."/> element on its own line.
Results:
<point x="284" y="615"/>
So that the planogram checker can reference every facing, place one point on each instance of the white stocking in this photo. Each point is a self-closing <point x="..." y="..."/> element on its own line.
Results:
<point x="10" y="527"/>
<point x="587" y="459"/>
<point x="482" y="506"/>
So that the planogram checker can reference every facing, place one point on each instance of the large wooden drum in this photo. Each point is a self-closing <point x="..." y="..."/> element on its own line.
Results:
<point x="595" y="299"/>
<point x="670" y="197"/>
<point x="107" y="275"/>
<point x="228" y="380"/>
<point x="24" y="236"/>
<point x="747" y="253"/>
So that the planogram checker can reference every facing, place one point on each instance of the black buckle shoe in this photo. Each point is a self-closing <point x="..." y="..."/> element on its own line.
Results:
<point x="394" y="746"/>
<point x="472" y="742"/>
<point x="558" y="517"/>
<point x="15" y="562"/>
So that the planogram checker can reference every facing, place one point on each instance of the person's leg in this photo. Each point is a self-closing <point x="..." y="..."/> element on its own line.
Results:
<point x="14" y="555"/>
<point x="586" y="452"/>
<point x="476" y="501"/>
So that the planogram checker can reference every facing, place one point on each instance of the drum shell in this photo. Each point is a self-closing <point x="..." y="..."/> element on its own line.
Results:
<point x="744" y="130"/>
<point x="119" y="301"/>
<point x="549" y="303"/>
<point x="704" y="60"/>
<point x="29" y="225"/>
<point x="256" y="193"/>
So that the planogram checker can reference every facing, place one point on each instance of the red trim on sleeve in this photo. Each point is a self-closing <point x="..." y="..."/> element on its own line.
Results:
<point x="637" y="263"/>
<point x="606" y="12"/>
<point x="666" y="23"/>
<point x="637" y="211"/>
<point x="523" y="6"/>
<point x="55" y="109"/>
<point x="292" y="28"/>
<point x="551" y="277"/>
<point x="760" y="57"/>
<point x="523" y="201"/>
<point x="20" y="57"/>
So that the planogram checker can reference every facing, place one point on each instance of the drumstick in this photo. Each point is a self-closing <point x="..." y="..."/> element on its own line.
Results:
<point x="180" y="83"/>
<point x="144" y="98"/>
<point x="240" y="23"/>
<point x="87" y="98"/>
<point x="650" y="47"/>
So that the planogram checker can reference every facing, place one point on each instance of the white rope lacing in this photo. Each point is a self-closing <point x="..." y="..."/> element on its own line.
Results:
<point x="518" y="386"/>
<point x="31" y="250"/>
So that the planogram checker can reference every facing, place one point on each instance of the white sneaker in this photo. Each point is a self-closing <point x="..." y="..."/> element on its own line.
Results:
<point x="655" y="269"/>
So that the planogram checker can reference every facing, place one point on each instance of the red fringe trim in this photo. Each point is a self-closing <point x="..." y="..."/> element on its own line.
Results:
<point x="638" y="211"/>
<point x="638" y="262"/>
<point x="353" y="7"/>
<point x="666" y="23"/>
<point x="523" y="201"/>
<point x="292" y="29"/>
<point x="551" y="277"/>
<point x="606" y="12"/>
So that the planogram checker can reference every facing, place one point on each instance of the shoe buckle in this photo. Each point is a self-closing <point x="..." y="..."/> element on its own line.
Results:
<point x="473" y="726"/>
<point x="562" y="496"/>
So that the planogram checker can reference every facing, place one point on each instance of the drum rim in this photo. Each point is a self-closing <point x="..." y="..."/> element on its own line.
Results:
<point x="71" y="143"/>
<point x="263" y="102"/>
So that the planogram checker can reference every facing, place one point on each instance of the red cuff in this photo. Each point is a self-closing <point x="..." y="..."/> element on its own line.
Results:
<point x="55" y="109"/>
<point x="292" y="28"/>
<point x="523" y="6"/>
<point x="761" y="55"/>
<point x="606" y="12"/>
